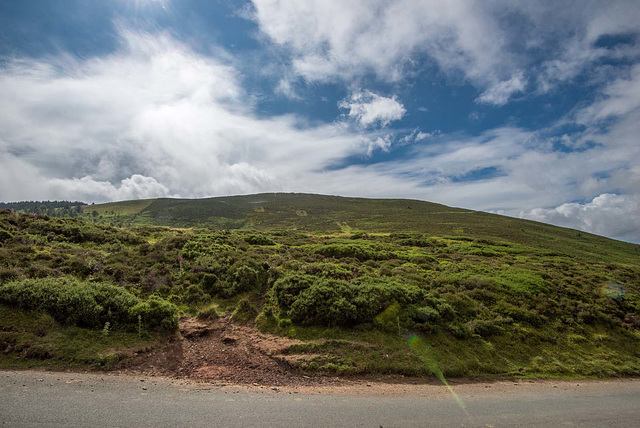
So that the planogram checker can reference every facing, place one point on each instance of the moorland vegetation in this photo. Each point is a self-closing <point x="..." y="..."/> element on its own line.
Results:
<point x="489" y="295"/>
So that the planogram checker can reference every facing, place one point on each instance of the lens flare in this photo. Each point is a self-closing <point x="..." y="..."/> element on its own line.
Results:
<point x="614" y="290"/>
<point x="422" y="351"/>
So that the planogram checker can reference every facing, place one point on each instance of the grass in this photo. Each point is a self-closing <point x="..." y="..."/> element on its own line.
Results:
<point x="30" y="339"/>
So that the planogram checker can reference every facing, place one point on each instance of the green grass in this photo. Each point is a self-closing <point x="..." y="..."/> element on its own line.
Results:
<point x="31" y="339"/>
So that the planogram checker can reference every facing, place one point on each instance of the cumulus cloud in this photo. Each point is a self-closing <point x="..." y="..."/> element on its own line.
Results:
<point x="156" y="119"/>
<point x="367" y="108"/>
<point x="493" y="45"/>
<point x="607" y="214"/>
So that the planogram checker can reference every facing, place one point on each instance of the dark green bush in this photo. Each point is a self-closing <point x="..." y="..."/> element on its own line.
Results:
<point x="74" y="302"/>
<point x="359" y="252"/>
<point x="373" y="295"/>
<point x="486" y="328"/>
<point x="192" y="250"/>
<point x="326" y="302"/>
<point x="156" y="313"/>
<point x="259" y="240"/>
<point x="426" y="314"/>
<point x="240" y="278"/>
<point x="307" y="299"/>
<point x="287" y="289"/>
<point x="194" y="294"/>
<point x="208" y="283"/>
<point x="5" y="235"/>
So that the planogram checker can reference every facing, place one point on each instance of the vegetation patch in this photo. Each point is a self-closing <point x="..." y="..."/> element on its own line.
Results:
<point x="357" y="277"/>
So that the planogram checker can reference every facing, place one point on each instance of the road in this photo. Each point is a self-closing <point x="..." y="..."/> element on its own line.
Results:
<point x="52" y="399"/>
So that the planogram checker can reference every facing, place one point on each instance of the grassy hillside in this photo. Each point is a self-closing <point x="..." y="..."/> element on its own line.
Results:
<point x="334" y="215"/>
<point x="375" y="286"/>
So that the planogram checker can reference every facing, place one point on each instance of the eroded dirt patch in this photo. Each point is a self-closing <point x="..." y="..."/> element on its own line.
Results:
<point x="223" y="351"/>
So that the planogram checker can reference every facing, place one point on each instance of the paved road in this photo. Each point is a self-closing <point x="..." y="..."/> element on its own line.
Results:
<point x="39" y="399"/>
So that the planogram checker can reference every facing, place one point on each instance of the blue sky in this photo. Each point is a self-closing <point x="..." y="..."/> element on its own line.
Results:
<point x="530" y="109"/>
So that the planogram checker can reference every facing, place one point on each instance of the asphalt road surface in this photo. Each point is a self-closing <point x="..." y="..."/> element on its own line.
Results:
<point x="50" y="399"/>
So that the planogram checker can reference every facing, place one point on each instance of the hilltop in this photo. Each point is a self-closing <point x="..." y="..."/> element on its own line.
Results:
<point x="310" y="284"/>
<point x="334" y="214"/>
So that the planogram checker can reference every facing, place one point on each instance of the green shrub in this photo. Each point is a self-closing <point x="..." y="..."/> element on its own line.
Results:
<point x="288" y="288"/>
<point x="326" y="302"/>
<point x="259" y="240"/>
<point x="194" y="294"/>
<point x="156" y="313"/>
<point x="310" y="300"/>
<point x="245" y="278"/>
<point x="208" y="283"/>
<point x="192" y="250"/>
<point x="241" y="278"/>
<point x="517" y="313"/>
<point x="359" y="252"/>
<point x="373" y="295"/>
<point x="426" y="314"/>
<point x="486" y="328"/>
<point x="5" y="235"/>
<point x="74" y="302"/>
<point x="245" y="312"/>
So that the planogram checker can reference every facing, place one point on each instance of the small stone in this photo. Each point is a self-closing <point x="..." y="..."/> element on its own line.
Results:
<point x="144" y="388"/>
<point x="273" y="388"/>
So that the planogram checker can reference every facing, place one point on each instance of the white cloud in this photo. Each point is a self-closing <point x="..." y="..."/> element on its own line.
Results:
<point x="500" y="93"/>
<point x="618" y="98"/>
<point x="494" y="45"/>
<point x="367" y="108"/>
<point x="286" y="89"/>
<point x="607" y="214"/>
<point x="156" y="119"/>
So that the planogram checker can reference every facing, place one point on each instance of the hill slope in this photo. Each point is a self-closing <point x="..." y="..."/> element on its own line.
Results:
<point x="363" y="285"/>
<point x="334" y="214"/>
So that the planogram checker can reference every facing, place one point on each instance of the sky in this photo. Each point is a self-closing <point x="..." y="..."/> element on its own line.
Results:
<point x="528" y="109"/>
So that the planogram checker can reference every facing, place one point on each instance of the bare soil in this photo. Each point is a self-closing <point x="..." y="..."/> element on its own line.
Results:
<point x="225" y="352"/>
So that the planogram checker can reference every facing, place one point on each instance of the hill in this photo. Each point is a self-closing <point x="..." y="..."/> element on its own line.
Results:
<point x="334" y="214"/>
<point x="362" y="286"/>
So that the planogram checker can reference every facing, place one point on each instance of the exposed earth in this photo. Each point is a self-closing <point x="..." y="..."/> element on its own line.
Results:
<point x="223" y="351"/>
